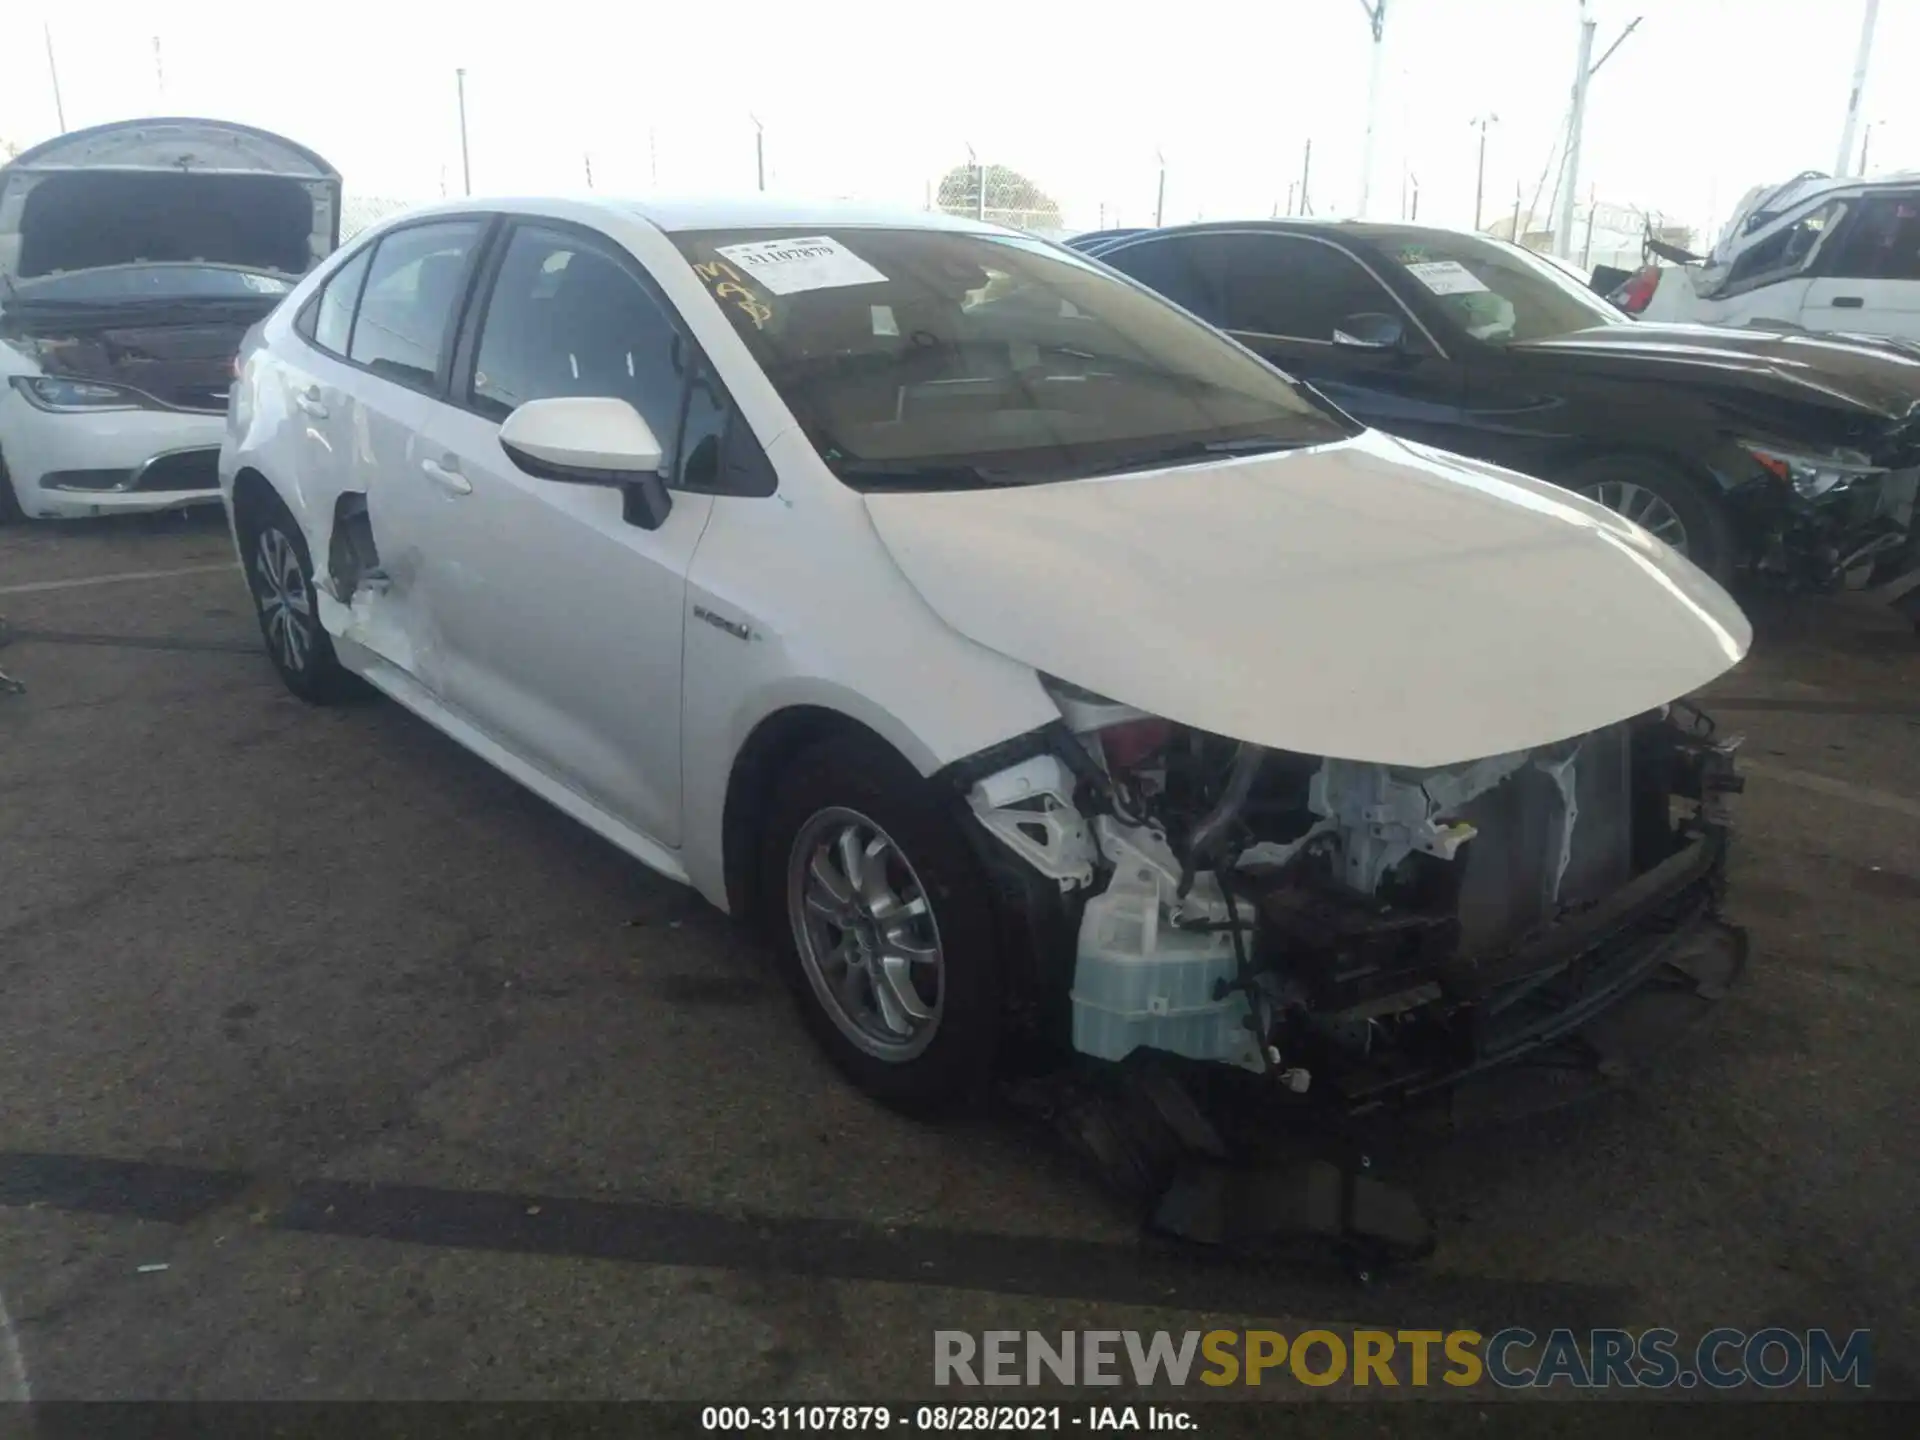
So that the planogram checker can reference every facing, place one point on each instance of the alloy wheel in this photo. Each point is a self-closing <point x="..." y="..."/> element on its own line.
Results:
<point x="1644" y="508"/>
<point x="286" y="600"/>
<point x="866" y="934"/>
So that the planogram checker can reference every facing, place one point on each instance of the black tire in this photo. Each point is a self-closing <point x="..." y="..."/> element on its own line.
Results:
<point x="270" y="541"/>
<point x="10" y="511"/>
<point x="1708" y="532"/>
<point x="858" y="776"/>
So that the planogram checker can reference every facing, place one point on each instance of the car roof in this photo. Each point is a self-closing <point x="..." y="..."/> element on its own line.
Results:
<point x="752" y="212"/>
<point x="1367" y="232"/>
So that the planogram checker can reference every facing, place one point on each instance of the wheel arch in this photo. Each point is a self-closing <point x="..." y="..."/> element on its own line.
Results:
<point x="252" y="493"/>
<point x="774" y="742"/>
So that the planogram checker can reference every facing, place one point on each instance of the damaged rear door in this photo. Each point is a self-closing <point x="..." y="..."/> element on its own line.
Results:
<point x="556" y="622"/>
<point x="389" y="557"/>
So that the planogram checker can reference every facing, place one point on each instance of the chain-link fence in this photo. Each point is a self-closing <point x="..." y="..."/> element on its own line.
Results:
<point x="1000" y="196"/>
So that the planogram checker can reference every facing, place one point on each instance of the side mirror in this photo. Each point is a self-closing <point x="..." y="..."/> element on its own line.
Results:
<point x="591" y="440"/>
<point x="1370" y="330"/>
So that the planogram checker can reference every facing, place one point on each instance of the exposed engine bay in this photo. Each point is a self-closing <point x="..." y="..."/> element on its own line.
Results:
<point x="1355" y="933"/>
<point x="180" y="355"/>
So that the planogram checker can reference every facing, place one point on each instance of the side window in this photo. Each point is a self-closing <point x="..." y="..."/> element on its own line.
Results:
<point x="1185" y="270"/>
<point x="1302" y="289"/>
<point x="567" y="318"/>
<point x="328" y="319"/>
<point x="1785" y="252"/>
<point x="1883" y="242"/>
<point x="412" y="292"/>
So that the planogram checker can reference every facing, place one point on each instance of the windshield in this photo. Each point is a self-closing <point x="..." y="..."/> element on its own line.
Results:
<point x="1499" y="292"/>
<point x="118" y="284"/>
<point x="940" y="359"/>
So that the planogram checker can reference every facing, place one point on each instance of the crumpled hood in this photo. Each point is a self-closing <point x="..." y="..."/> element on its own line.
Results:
<point x="1861" y="373"/>
<point x="1373" y="600"/>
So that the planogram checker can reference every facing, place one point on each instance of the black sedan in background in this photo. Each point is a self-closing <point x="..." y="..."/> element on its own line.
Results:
<point x="1775" y="451"/>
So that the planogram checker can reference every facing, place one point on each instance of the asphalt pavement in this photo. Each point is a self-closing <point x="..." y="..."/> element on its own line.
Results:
<point x="334" y="1065"/>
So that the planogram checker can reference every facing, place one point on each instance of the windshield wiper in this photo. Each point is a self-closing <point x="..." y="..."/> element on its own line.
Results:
<point x="1199" y="451"/>
<point x="911" y="475"/>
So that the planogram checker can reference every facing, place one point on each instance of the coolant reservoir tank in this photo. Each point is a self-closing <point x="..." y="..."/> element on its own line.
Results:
<point x="1139" y="980"/>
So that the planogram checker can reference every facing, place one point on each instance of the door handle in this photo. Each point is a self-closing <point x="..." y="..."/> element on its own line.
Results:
<point x="1848" y="302"/>
<point x="447" y="476"/>
<point x="309" y="401"/>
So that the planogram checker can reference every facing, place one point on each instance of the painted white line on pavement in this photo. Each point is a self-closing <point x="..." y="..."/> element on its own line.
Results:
<point x="35" y="587"/>
<point x="1837" y="789"/>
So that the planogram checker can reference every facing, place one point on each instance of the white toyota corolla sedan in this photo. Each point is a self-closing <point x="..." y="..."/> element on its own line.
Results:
<point x="1026" y="658"/>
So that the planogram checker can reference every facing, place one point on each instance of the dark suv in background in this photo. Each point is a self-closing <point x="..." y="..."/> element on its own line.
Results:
<point x="1777" y="451"/>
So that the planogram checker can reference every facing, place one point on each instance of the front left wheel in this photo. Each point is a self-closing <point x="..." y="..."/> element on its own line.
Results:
<point x="281" y="577"/>
<point x="883" y="925"/>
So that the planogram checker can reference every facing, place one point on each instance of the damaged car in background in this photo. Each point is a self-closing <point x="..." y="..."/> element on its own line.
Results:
<point x="1816" y="253"/>
<point x="1053" y="682"/>
<point x="1788" y="457"/>
<point x="133" y="257"/>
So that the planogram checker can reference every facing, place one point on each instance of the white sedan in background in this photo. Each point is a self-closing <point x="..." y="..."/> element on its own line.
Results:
<point x="133" y="257"/>
<point x="1027" y="658"/>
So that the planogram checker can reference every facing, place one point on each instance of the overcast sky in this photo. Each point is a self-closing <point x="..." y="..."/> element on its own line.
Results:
<point x="871" y="99"/>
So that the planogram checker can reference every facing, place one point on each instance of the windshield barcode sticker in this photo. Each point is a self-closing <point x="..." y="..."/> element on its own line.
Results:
<point x="814" y="262"/>
<point x="1446" y="277"/>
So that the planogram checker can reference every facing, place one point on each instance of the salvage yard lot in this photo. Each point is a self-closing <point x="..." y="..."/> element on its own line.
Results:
<point x="414" y="1088"/>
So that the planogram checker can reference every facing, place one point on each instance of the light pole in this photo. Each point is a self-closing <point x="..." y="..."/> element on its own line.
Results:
<point x="1480" y="172"/>
<point x="1866" y="144"/>
<point x="1306" y="173"/>
<point x="1377" y="21"/>
<point x="1160" y="197"/>
<point x="759" y="150"/>
<point x="466" y="168"/>
<point x="1859" y="85"/>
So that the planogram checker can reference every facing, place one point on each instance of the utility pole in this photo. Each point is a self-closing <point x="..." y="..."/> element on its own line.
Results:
<point x="1593" y="197"/>
<point x="1377" y="21"/>
<point x="1515" y="235"/>
<point x="1583" y="72"/>
<point x="1480" y="172"/>
<point x="53" y="73"/>
<point x="1293" y="187"/>
<point x="1859" y="85"/>
<point x="1415" y="216"/>
<point x="1306" y="172"/>
<point x="1160" y="199"/>
<point x="1576" y="122"/>
<point x="979" y="184"/>
<point x="1866" y="144"/>
<point x="759" y="150"/>
<point x="466" y="168"/>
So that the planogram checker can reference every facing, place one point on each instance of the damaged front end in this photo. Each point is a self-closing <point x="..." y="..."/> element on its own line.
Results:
<point x="1247" y="951"/>
<point x="1357" y="935"/>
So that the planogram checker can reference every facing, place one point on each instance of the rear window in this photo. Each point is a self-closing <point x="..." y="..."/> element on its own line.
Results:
<point x="931" y="358"/>
<point x="407" y="308"/>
